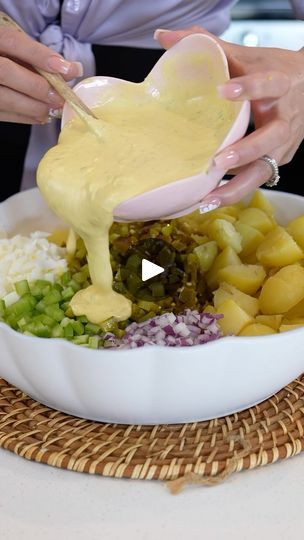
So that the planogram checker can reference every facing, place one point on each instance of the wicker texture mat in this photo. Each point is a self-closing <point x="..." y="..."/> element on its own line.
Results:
<point x="201" y="452"/>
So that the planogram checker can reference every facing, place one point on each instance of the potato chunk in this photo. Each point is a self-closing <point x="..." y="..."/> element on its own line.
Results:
<point x="235" y="318"/>
<point x="251" y="238"/>
<point x="259" y="201"/>
<point x="257" y="218"/>
<point x="227" y="257"/>
<point x="274" y="321"/>
<point x="257" y="329"/>
<point x="206" y="254"/>
<point x="282" y="291"/>
<point x="248" y="278"/>
<point x="225" y="234"/>
<point x="279" y="249"/>
<point x="246" y="302"/>
<point x="296" y="230"/>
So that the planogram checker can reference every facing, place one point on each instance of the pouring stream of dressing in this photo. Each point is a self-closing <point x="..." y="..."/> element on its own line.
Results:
<point x="147" y="142"/>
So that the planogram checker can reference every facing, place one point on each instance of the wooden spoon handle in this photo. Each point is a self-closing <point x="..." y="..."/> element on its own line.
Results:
<point x="55" y="79"/>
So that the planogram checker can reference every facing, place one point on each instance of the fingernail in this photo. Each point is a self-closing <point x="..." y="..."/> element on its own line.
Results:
<point x="79" y="69"/>
<point x="54" y="98"/>
<point x="230" y="90"/>
<point x="226" y="160"/>
<point x="58" y="64"/>
<point x="208" y="206"/>
<point x="158" y="32"/>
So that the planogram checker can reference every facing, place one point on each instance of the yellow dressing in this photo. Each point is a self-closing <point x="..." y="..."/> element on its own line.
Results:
<point x="146" y="142"/>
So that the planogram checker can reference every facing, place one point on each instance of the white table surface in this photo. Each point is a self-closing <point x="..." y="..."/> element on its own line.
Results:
<point x="43" y="503"/>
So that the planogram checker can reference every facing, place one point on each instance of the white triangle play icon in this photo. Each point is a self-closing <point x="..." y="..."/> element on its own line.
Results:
<point x="149" y="269"/>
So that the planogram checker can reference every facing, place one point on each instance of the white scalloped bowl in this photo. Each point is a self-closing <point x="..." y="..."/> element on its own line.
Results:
<point x="148" y="385"/>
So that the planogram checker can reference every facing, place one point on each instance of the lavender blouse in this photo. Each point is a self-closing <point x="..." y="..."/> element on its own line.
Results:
<point x="107" y="22"/>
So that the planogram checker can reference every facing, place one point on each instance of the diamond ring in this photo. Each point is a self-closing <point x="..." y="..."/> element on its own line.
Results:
<point x="274" y="179"/>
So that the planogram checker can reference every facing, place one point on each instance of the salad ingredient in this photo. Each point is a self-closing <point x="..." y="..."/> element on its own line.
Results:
<point x="29" y="258"/>
<point x="248" y="278"/>
<point x="227" y="257"/>
<point x="274" y="321"/>
<point x="234" y="317"/>
<point x="296" y="230"/>
<point x="42" y="310"/>
<point x="225" y="234"/>
<point x="245" y="301"/>
<point x="278" y="249"/>
<point x="184" y="330"/>
<point x="281" y="292"/>
<point x="256" y="218"/>
<point x="250" y="239"/>
<point x="257" y="329"/>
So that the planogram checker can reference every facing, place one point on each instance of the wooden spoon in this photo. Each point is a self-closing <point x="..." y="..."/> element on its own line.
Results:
<point x="63" y="89"/>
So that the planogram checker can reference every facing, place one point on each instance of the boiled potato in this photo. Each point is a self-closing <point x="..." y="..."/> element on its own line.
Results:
<point x="225" y="234"/>
<point x="282" y="291"/>
<point x="256" y="218"/>
<point x="235" y="318"/>
<point x="287" y="327"/>
<point x="251" y="238"/>
<point x="209" y="309"/>
<point x="227" y="257"/>
<point x="279" y="249"/>
<point x="59" y="237"/>
<point x="259" y="201"/>
<point x="246" y="302"/>
<point x="257" y="329"/>
<point x="274" y="321"/>
<point x="296" y="230"/>
<point x="296" y="311"/>
<point x="248" y="278"/>
<point x="206" y="254"/>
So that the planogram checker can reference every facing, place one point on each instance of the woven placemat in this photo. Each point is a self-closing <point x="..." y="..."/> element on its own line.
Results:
<point x="200" y="452"/>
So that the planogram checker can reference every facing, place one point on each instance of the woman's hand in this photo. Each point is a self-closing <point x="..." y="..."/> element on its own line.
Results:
<point x="25" y="97"/>
<point x="273" y="80"/>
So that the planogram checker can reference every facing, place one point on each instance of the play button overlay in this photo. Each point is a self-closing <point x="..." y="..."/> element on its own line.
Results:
<point x="150" y="270"/>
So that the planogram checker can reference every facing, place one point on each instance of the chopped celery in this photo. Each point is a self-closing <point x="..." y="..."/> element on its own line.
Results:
<point x="81" y="340"/>
<point x="2" y="308"/>
<point x="22" y="287"/>
<point x="25" y="304"/>
<point x="54" y="312"/>
<point x="67" y="293"/>
<point x="94" y="342"/>
<point x="57" y="331"/>
<point x="92" y="329"/>
<point x="77" y="327"/>
<point x="65" y="278"/>
<point x="68" y="331"/>
<point x="52" y="297"/>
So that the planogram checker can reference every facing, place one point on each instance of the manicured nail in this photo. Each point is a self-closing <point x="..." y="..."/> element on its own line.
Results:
<point x="230" y="90"/>
<point x="158" y="32"/>
<point x="79" y="69"/>
<point x="54" y="98"/>
<point x="58" y="64"/>
<point x="208" y="206"/>
<point x="226" y="160"/>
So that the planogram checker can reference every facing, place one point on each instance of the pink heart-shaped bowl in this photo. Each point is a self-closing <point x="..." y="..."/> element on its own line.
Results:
<point x="199" y="62"/>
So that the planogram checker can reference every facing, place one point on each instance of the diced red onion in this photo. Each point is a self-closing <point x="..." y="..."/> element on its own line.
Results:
<point x="184" y="330"/>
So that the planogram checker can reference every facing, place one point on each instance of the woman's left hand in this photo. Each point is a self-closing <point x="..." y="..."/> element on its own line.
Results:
<point x="273" y="80"/>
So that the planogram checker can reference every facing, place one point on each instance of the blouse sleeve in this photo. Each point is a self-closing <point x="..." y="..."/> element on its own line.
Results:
<point x="298" y="6"/>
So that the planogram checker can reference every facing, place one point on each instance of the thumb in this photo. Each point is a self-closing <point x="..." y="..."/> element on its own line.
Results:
<point x="168" y="38"/>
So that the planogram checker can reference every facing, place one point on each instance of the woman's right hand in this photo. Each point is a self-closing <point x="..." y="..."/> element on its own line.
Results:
<point x="25" y="96"/>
